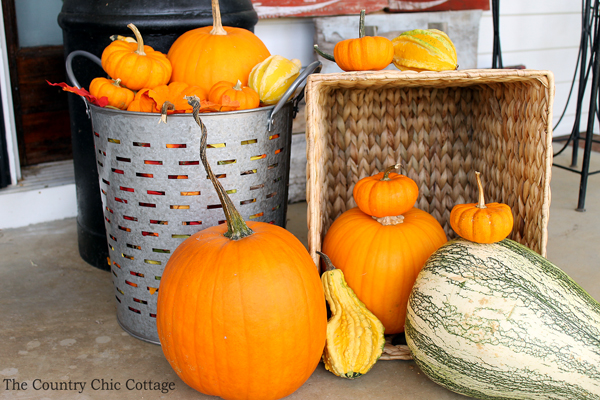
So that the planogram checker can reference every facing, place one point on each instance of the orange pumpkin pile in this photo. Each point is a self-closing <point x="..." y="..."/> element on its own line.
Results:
<point x="213" y="63"/>
<point x="382" y="244"/>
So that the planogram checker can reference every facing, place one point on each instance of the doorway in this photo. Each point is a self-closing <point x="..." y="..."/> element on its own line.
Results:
<point x="36" y="55"/>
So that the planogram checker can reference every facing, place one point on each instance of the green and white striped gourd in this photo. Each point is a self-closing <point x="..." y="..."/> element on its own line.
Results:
<point x="498" y="321"/>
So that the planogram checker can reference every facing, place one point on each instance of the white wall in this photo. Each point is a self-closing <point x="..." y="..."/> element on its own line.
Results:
<point x="540" y="34"/>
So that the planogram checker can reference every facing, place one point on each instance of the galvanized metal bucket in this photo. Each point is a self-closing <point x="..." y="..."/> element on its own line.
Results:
<point x="155" y="192"/>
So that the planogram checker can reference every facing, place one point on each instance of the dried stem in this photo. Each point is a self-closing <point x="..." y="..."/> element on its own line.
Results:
<point x="236" y="226"/>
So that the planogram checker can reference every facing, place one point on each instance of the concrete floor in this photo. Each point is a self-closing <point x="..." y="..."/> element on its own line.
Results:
<point x="58" y="321"/>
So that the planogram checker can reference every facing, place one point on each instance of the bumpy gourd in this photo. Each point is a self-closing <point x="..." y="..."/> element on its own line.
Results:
<point x="424" y="50"/>
<point x="355" y="338"/>
<point x="117" y="95"/>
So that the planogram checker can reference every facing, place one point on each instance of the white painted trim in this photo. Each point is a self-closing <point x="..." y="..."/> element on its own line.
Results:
<point x="8" y="108"/>
<point x="18" y="209"/>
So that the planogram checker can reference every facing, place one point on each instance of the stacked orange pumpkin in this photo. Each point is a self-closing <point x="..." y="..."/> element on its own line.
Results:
<point x="382" y="244"/>
<point x="213" y="63"/>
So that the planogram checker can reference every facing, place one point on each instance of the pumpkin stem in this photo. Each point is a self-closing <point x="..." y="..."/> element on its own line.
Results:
<point x="361" y="24"/>
<point x="138" y="38"/>
<point x="217" y="25"/>
<point x="330" y="266"/>
<point x="117" y="82"/>
<point x="481" y="203"/>
<point x="236" y="226"/>
<point x="324" y="55"/>
<point x="387" y="171"/>
<point x="390" y="220"/>
<point x="238" y="85"/>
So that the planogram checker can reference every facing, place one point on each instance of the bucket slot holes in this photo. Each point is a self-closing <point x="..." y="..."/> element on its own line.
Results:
<point x="156" y="192"/>
<point x="115" y="141"/>
<point x="159" y="222"/>
<point x="153" y="162"/>
<point x="117" y="171"/>
<point x="249" y="201"/>
<point x="112" y="237"/>
<point x="126" y="189"/>
<point x="152" y="290"/>
<point x="195" y="193"/>
<point x="218" y="176"/>
<point x="129" y="218"/>
<point x="249" y="172"/>
<point x="273" y="166"/>
<point x="176" y="145"/>
<point x="276" y="207"/>
<point x="226" y="162"/>
<point x="141" y="144"/>
<point x="258" y="157"/>
<point x="140" y="301"/>
<point x="133" y="246"/>
<point x="279" y="150"/>
<point x="109" y="210"/>
<point x="144" y="175"/>
<point x="177" y="176"/>
<point x="191" y="222"/>
<point x="123" y="228"/>
<point x="120" y="200"/>
<point x="137" y="274"/>
<point x="135" y="310"/>
<point x="127" y="256"/>
<point x="179" y="207"/>
<point x="152" y="262"/>
<point x="249" y="141"/>
<point x="105" y="181"/>
<point x="271" y="195"/>
<point x="179" y="236"/>
<point x="216" y="145"/>
<point x="162" y="251"/>
<point x="131" y="283"/>
<point x="214" y="206"/>
<point x="231" y="191"/>
<point x="148" y="233"/>
<point x="275" y="136"/>
<point x="262" y="185"/>
<point x="189" y="162"/>
<point x="260" y="214"/>
<point x="123" y="159"/>
<point x="100" y="164"/>
<point x="149" y="205"/>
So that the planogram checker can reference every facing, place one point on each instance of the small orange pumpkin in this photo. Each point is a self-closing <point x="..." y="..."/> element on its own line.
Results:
<point x="386" y="193"/>
<point x="176" y="93"/>
<point x="142" y="102"/>
<point x="244" y="95"/>
<point x="241" y="310"/>
<point x="207" y="55"/>
<point x="117" y="95"/>
<point x="480" y="222"/>
<point x="367" y="53"/>
<point x="137" y="66"/>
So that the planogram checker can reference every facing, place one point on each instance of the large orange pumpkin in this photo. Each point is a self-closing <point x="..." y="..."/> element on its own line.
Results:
<point x="241" y="309"/>
<point x="207" y="55"/>
<point x="382" y="258"/>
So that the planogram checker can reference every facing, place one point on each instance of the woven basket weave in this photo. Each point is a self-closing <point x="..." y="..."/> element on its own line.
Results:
<point x="442" y="126"/>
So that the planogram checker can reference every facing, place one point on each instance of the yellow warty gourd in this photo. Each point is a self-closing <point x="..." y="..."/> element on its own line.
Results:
<point x="272" y="77"/>
<point x="424" y="50"/>
<point x="355" y="337"/>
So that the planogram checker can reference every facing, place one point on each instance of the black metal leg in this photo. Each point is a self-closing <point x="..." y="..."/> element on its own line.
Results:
<point x="591" y="119"/>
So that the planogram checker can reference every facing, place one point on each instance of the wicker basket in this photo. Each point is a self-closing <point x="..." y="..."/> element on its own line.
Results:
<point x="442" y="126"/>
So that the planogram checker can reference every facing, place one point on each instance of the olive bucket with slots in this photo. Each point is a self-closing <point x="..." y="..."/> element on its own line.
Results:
<point x="156" y="193"/>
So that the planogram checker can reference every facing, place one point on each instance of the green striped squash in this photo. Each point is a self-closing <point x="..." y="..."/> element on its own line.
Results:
<point x="498" y="321"/>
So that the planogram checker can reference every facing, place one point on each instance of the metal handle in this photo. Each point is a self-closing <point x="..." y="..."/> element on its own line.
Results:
<point x="314" y="67"/>
<point x="71" y="75"/>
